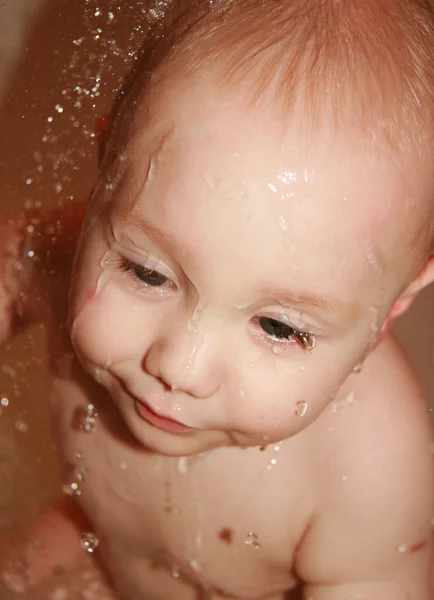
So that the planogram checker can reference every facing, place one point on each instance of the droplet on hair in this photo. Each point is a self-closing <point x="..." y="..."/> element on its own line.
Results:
<point x="4" y="401"/>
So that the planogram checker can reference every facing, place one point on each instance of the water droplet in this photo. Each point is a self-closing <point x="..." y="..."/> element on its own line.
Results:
<point x="283" y="223"/>
<point x="402" y="548"/>
<point x="198" y="309"/>
<point x="88" y="424"/>
<point x="16" y="577"/>
<point x="183" y="464"/>
<point x="89" y="542"/>
<point x="59" y="593"/>
<point x="4" y="401"/>
<point x="175" y="572"/>
<point x="59" y="108"/>
<point x="252" y="540"/>
<point x="347" y="401"/>
<point x="73" y="486"/>
<point x="300" y="408"/>
<point x="194" y="564"/>
<point x="21" y="426"/>
<point x="271" y="464"/>
<point x="79" y="455"/>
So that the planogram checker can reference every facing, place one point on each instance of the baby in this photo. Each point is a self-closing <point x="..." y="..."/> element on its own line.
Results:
<point x="240" y="422"/>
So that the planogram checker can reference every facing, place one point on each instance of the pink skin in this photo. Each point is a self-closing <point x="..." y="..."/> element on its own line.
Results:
<point x="231" y="211"/>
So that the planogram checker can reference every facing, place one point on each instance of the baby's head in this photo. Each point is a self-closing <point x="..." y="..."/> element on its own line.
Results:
<point x="265" y="211"/>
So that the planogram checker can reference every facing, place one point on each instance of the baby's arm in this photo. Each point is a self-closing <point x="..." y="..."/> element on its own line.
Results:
<point x="50" y="558"/>
<point x="372" y="538"/>
<point x="394" y="567"/>
<point x="34" y="247"/>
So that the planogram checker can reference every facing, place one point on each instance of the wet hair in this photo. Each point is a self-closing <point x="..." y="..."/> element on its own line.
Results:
<point x="368" y="63"/>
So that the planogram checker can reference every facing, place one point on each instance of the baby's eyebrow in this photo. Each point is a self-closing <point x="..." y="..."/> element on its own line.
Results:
<point x="348" y="311"/>
<point x="159" y="237"/>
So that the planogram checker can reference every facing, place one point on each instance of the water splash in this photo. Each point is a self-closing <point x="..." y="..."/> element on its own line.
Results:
<point x="88" y="424"/>
<point x="89" y="542"/>
<point x="73" y="486"/>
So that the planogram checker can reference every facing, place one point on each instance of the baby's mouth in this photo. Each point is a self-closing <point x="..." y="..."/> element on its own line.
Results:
<point x="165" y="423"/>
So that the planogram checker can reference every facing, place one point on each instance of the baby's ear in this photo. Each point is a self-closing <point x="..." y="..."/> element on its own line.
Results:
<point x="405" y="300"/>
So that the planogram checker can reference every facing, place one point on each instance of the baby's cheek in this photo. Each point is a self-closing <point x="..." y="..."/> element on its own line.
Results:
<point x="108" y="329"/>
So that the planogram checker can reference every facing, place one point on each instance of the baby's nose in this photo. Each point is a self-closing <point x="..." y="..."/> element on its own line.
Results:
<point x="187" y="359"/>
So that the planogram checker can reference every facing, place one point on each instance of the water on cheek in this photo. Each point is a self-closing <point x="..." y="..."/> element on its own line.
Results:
<point x="196" y="340"/>
<point x="93" y="294"/>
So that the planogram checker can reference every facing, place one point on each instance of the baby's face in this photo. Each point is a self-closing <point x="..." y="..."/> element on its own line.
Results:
<point x="233" y="280"/>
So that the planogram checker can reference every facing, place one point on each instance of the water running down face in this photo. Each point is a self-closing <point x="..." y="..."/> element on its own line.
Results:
<point x="229" y="278"/>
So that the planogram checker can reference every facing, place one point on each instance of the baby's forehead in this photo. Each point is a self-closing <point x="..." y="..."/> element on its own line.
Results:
<point x="187" y="140"/>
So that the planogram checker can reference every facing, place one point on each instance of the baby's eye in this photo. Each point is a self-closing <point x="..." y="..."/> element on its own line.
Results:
<point x="150" y="277"/>
<point x="276" y="329"/>
<point x="279" y="331"/>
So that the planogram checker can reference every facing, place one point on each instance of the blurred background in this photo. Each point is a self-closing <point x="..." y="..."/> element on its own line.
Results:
<point x="59" y="72"/>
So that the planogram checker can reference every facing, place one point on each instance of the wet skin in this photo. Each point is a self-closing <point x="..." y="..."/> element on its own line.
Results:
<point x="225" y="277"/>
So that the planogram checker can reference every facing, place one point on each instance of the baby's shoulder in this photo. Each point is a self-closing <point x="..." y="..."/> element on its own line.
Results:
<point x="376" y="484"/>
<point x="382" y="430"/>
